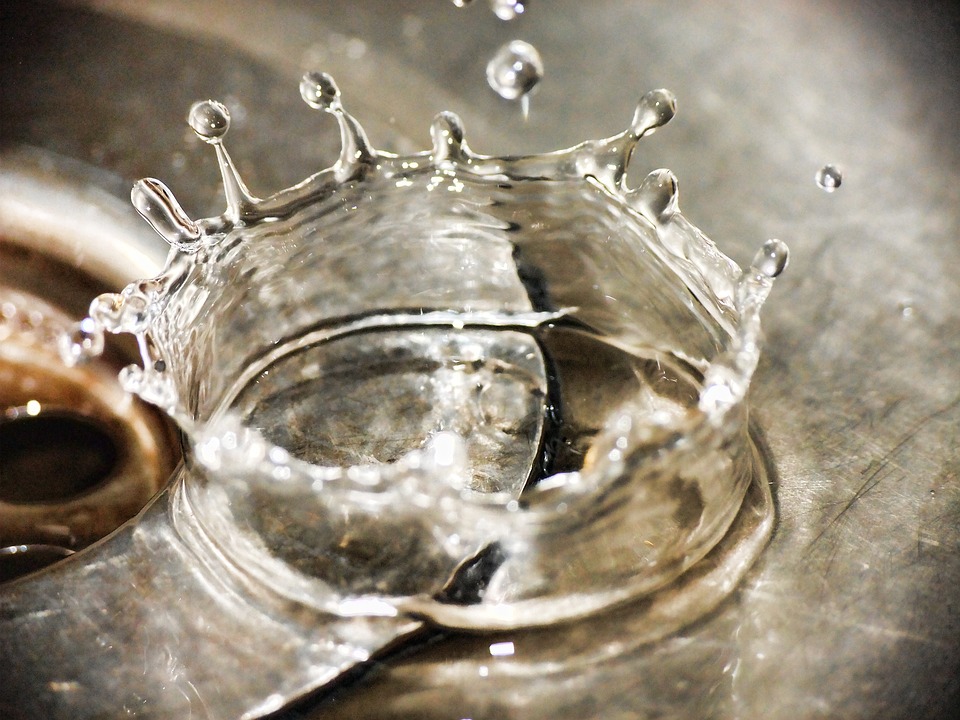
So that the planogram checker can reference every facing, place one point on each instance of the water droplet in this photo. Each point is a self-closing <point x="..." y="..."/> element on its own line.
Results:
<point x="655" y="109"/>
<point x="447" y="134"/>
<point x="210" y="120"/>
<point x="656" y="198"/>
<point x="508" y="9"/>
<point x="461" y="3"/>
<point x="84" y="341"/>
<point x="319" y="90"/>
<point x="829" y="178"/>
<point x="771" y="259"/>
<point x="905" y="307"/>
<point x="121" y="313"/>
<point x="151" y="386"/>
<point x="515" y="70"/>
<point x="154" y="201"/>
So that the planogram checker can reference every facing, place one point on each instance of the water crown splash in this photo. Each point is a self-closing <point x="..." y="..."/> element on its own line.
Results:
<point x="492" y="392"/>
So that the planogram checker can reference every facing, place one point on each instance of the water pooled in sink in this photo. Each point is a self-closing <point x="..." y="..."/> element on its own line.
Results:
<point x="403" y="362"/>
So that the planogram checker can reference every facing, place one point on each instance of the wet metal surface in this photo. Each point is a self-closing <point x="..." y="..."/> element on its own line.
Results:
<point x="853" y="610"/>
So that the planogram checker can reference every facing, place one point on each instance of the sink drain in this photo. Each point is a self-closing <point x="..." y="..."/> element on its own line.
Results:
<point x="52" y="456"/>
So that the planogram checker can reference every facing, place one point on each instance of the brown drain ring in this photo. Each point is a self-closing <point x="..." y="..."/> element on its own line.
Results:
<point x="48" y="497"/>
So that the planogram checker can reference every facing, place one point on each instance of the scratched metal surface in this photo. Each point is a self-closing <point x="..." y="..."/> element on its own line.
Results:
<point x="854" y="609"/>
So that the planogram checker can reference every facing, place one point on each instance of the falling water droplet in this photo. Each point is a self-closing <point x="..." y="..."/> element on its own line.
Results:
<point x="508" y="9"/>
<point x="771" y="259"/>
<point x="210" y="120"/>
<point x="829" y="178"/>
<point x="905" y="307"/>
<point x="515" y="70"/>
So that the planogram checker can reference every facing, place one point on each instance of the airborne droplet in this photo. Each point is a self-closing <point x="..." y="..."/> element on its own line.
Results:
<point x="515" y="70"/>
<point x="829" y="178"/>
<point x="508" y="9"/>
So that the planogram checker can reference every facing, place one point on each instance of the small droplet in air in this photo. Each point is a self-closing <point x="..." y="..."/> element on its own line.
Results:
<point x="210" y="120"/>
<point x="515" y="70"/>
<point x="829" y="178"/>
<point x="905" y="308"/>
<point x="508" y="9"/>
<point x="771" y="259"/>
<point x="461" y="3"/>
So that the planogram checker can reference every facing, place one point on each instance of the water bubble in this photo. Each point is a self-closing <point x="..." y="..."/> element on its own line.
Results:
<point x="771" y="259"/>
<point x="829" y="178"/>
<point x="210" y="120"/>
<point x="508" y="9"/>
<point x="515" y="70"/>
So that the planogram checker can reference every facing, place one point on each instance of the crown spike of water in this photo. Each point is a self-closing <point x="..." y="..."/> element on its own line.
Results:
<point x="655" y="109"/>
<point x="158" y="206"/>
<point x="121" y="312"/>
<point x="657" y="196"/>
<point x="771" y="259"/>
<point x="319" y="90"/>
<point x="446" y="131"/>
<point x="210" y="120"/>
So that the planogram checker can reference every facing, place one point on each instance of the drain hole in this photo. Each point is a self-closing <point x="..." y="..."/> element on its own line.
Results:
<point x="53" y="456"/>
<point x="19" y="560"/>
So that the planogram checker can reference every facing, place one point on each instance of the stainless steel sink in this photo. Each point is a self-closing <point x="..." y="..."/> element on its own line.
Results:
<point x="853" y="609"/>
